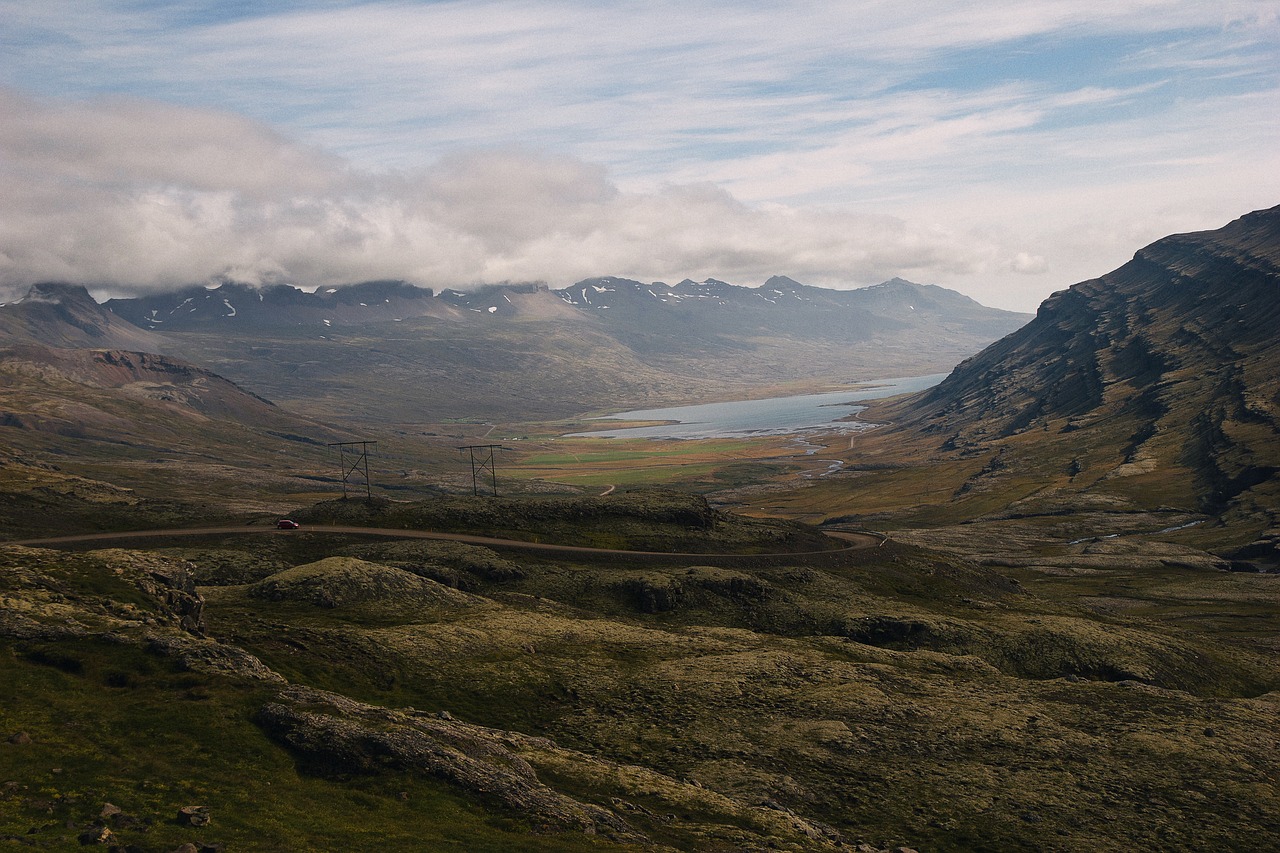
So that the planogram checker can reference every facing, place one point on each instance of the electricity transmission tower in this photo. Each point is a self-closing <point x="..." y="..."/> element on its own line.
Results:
<point x="482" y="461"/>
<point x="361" y="459"/>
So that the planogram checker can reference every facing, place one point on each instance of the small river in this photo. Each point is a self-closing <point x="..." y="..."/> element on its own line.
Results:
<point x="771" y="416"/>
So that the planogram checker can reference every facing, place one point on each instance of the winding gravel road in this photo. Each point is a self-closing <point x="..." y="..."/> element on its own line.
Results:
<point x="852" y="541"/>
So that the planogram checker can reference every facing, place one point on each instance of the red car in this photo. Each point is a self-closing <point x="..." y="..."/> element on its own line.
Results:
<point x="287" y="524"/>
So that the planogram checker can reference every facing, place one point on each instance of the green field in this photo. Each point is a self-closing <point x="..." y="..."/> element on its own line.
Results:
<point x="709" y="463"/>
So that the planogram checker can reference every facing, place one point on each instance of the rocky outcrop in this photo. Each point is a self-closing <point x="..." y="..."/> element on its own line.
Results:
<point x="117" y="597"/>
<point x="211" y="657"/>
<point x="338" y="737"/>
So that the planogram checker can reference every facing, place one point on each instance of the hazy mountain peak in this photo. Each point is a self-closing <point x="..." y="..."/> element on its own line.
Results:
<point x="57" y="293"/>
<point x="782" y="282"/>
<point x="61" y="314"/>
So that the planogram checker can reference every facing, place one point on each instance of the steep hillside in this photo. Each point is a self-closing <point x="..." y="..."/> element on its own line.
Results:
<point x="154" y="381"/>
<point x="1173" y="357"/>
<point x="1143" y="403"/>
<point x="140" y="419"/>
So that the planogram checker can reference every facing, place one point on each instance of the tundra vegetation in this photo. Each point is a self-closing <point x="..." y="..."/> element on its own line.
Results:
<point x="315" y="691"/>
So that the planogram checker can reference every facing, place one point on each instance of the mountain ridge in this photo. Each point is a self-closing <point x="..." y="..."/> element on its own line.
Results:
<point x="285" y="305"/>
<point x="1202" y="281"/>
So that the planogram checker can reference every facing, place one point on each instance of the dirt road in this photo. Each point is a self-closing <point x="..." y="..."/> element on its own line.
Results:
<point x="851" y="541"/>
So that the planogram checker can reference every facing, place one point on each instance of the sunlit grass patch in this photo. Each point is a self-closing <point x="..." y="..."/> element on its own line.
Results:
<point x="604" y="462"/>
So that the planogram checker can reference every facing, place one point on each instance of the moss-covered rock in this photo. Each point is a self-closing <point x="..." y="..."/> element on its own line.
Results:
<point x="345" y="581"/>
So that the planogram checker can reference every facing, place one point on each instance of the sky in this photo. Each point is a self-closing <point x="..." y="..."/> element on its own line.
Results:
<point x="1003" y="148"/>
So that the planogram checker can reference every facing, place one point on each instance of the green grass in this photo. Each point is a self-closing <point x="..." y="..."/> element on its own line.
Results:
<point x="646" y="475"/>
<point x="699" y="464"/>
<point x="589" y="451"/>
<point x="111" y="723"/>
<point x="937" y="750"/>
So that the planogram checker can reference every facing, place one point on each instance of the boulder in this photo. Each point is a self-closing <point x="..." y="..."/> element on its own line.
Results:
<point x="97" y="835"/>
<point x="194" y="816"/>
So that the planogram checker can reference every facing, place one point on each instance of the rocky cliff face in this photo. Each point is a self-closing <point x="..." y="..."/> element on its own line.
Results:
<point x="1167" y="369"/>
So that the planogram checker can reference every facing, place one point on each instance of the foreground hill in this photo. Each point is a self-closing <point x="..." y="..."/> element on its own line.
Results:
<point x="1146" y="401"/>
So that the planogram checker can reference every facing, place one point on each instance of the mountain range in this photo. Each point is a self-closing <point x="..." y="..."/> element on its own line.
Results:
<point x="388" y="352"/>
<point x="1155" y="385"/>
<point x="780" y="304"/>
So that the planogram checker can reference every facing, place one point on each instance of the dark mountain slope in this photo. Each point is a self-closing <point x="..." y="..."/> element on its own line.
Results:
<point x="1165" y="372"/>
<point x="233" y="305"/>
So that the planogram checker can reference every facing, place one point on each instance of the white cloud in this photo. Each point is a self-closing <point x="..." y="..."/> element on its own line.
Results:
<point x="640" y="87"/>
<point x="1025" y="262"/>
<point x="130" y="141"/>
<point x="142" y="196"/>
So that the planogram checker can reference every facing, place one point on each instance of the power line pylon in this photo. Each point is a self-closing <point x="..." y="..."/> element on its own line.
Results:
<point x="482" y="461"/>
<point x="361" y="459"/>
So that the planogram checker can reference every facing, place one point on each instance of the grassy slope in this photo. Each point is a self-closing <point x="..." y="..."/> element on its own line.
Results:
<point x="105" y="718"/>
<point x="946" y="724"/>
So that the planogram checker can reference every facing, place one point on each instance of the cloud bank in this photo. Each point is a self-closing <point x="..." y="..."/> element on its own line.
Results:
<point x="127" y="195"/>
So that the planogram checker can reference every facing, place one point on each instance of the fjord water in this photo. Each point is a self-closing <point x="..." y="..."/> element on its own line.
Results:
<point x="770" y="416"/>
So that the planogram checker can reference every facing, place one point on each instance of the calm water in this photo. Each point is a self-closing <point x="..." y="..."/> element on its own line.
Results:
<point x="772" y="416"/>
